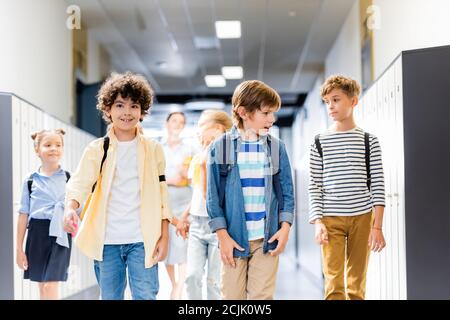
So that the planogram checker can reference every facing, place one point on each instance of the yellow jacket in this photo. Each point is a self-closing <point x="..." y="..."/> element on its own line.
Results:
<point x="154" y="197"/>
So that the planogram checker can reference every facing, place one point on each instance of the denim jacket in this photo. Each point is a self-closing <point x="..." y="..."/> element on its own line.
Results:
<point x="232" y="216"/>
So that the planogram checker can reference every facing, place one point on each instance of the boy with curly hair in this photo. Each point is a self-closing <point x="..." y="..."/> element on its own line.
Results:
<point x="125" y="224"/>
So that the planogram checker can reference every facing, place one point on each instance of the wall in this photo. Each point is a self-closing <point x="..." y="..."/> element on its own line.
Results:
<point x="311" y="120"/>
<point x="36" y="54"/>
<point x="409" y="24"/>
<point x="345" y="55"/>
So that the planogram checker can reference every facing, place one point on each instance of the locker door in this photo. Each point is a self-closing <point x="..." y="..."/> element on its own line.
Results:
<point x="401" y="181"/>
<point x="383" y="262"/>
<point x="25" y="155"/>
<point x="391" y="228"/>
<point x="17" y="188"/>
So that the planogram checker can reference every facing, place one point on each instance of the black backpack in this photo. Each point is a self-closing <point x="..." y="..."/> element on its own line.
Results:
<point x="105" y="152"/>
<point x="366" y="153"/>
<point x="224" y="168"/>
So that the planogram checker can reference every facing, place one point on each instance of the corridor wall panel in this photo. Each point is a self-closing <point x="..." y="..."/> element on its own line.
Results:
<point x="18" y="159"/>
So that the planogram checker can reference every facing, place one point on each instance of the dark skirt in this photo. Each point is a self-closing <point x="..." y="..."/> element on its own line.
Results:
<point x="47" y="260"/>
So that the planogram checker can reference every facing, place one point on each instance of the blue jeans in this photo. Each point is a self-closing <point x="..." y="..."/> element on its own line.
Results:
<point x="202" y="246"/>
<point x="111" y="273"/>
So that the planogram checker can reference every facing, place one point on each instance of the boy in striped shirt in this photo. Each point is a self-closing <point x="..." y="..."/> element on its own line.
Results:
<point x="346" y="193"/>
<point x="252" y="208"/>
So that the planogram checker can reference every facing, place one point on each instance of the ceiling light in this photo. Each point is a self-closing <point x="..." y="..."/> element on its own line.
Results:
<point x="235" y="72"/>
<point x="228" y="29"/>
<point x="215" y="81"/>
<point x="204" y="105"/>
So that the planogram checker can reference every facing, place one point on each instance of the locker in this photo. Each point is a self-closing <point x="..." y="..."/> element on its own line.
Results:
<point x="24" y="119"/>
<point x="411" y="121"/>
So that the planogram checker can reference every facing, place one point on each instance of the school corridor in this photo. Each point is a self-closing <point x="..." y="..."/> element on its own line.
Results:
<point x="56" y="54"/>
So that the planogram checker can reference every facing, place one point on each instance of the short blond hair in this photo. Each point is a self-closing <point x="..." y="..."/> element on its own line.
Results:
<point x="218" y="117"/>
<point x="350" y="86"/>
<point x="252" y="95"/>
<point x="38" y="136"/>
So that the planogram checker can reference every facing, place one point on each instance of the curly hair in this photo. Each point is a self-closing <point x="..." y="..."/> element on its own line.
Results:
<point x="127" y="85"/>
<point x="350" y="87"/>
<point x="252" y="95"/>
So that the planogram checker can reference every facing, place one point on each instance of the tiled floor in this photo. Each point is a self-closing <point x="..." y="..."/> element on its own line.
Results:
<point x="293" y="282"/>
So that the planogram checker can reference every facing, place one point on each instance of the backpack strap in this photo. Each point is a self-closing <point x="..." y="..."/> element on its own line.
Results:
<point x="318" y="145"/>
<point x="30" y="183"/>
<point x="224" y="167"/>
<point x="105" y="152"/>
<point x="367" y="157"/>
<point x="276" y="181"/>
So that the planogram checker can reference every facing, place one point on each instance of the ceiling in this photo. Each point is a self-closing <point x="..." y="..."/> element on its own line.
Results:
<point x="284" y="42"/>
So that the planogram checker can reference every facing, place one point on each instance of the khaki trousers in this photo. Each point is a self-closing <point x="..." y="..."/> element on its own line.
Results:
<point x="346" y="256"/>
<point x="253" y="278"/>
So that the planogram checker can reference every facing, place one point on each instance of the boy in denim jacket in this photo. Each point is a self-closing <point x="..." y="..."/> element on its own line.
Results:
<point x="251" y="214"/>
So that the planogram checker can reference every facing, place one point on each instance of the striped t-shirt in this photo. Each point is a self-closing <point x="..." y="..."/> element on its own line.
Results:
<point x="251" y="161"/>
<point x="338" y="183"/>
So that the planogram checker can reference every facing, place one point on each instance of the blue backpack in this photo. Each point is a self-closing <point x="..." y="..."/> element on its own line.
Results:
<point x="224" y="168"/>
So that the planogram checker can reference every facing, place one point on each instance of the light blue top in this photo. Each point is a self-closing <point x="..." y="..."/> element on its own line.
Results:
<point x="45" y="193"/>
<point x="46" y="201"/>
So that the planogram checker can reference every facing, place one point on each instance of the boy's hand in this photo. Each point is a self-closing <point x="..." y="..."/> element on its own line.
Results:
<point x="282" y="236"/>
<point x="160" y="251"/>
<point x="71" y="221"/>
<point x="321" y="234"/>
<point x="376" y="240"/>
<point x="227" y="244"/>
<point x="21" y="260"/>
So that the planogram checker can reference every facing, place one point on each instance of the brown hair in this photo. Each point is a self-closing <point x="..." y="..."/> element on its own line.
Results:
<point x="127" y="85"/>
<point x="218" y="117"/>
<point x="252" y="95"/>
<point x="39" y="136"/>
<point x="350" y="87"/>
<point x="174" y="113"/>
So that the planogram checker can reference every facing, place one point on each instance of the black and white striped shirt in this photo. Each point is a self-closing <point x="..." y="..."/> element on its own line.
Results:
<point x="338" y="184"/>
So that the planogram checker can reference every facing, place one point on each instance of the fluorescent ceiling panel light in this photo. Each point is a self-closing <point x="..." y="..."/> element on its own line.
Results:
<point x="228" y="29"/>
<point x="215" y="81"/>
<point x="204" y="105"/>
<point x="233" y="72"/>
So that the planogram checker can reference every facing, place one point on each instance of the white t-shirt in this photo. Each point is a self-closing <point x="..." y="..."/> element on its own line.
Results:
<point x="123" y="222"/>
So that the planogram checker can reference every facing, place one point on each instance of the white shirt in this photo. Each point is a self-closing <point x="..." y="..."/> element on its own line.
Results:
<point x="123" y="209"/>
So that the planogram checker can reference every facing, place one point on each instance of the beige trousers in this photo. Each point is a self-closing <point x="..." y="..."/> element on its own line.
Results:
<point x="253" y="277"/>
<point x="346" y="256"/>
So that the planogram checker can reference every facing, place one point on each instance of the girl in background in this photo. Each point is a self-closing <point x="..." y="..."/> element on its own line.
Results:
<point x="203" y="244"/>
<point x="47" y="251"/>
<point x="178" y="155"/>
